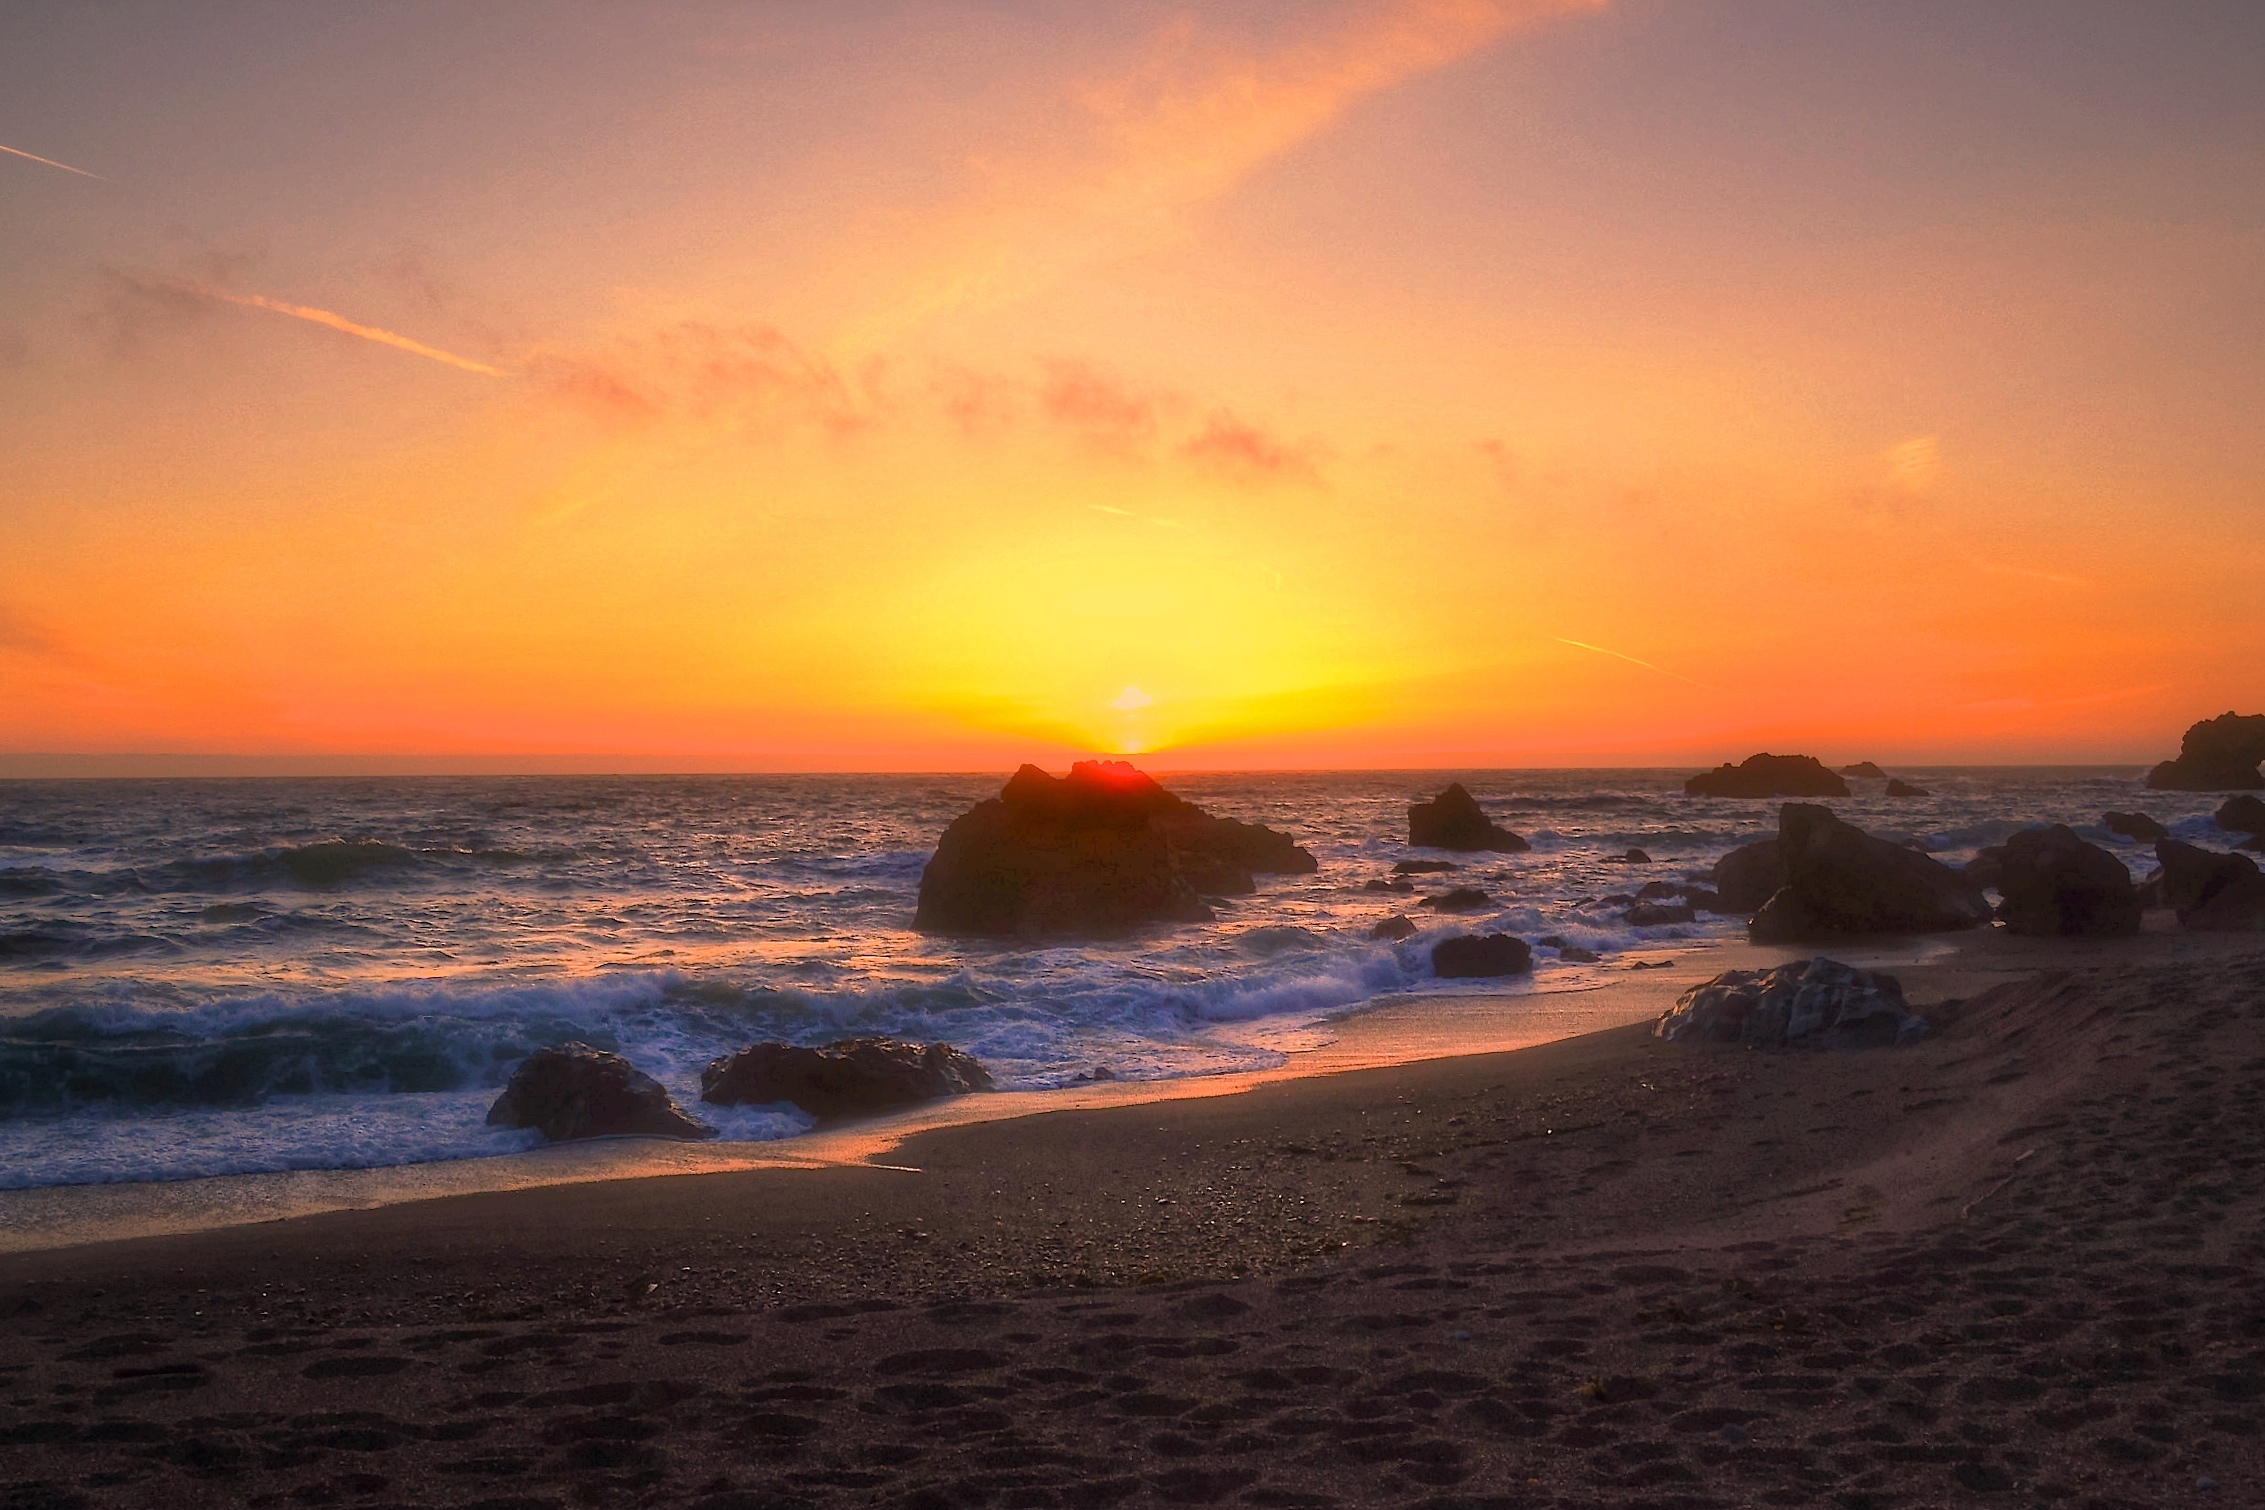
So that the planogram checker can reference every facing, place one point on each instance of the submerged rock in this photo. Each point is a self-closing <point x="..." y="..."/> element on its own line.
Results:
<point x="2218" y="755"/>
<point x="1454" y="820"/>
<point x="1768" y="776"/>
<point x="577" y="1091"/>
<point x="1899" y="788"/>
<point x="1423" y="867"/>
<point x="1473" y="956"/>
<point x="855" y="1077"/>
<point x="2241" y="815"/>
<point x="2134" y="826"/>
<point x="1809" y="1003"/>
<point x="1841" y="880"/>
<point x="1461" y="899"/>
<point x="1659" y="914"/>
<point x="2211" y="892"/>
<point x="1749" y="876"/>
<point x="1393" y="928"/>
<point x="2054" y="884"/>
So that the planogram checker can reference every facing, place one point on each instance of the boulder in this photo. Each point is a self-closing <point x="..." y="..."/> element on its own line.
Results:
<point x="1453" y="820"/>
<point x="1380" y="884"/>
<point x="1810" y="1003"/>
<point x="855" y="1077"/>
<point x="1704" y="900"/>
<point x="1659" y="914"/>
<point x="1574" y="954"/>
<point x="1393" y="929"/>
<point x="1423" y="867"/>
<point x="2134" y="826"/>
<point x="1899" y="788"/>
<point x="1652" y="891"/>
<point x="1472" y="956"/>
<point x="1099" y="851"/>
<point x="1628" y="857"/>
<point x="1768" y="776"/>
<point x="2055" y="884"/>
<point x="1841" y="880"/>
<point x="1460" y="899"/>
<point x="2241" y="815"/>
<point x="2211" y="892"/>
<point x="577" y="1091"/>
<point x="1987" y="868"/>
<point x="1749" y="876"/>
<point x="1864" y="769"/>
<point x="2218" y="755"/>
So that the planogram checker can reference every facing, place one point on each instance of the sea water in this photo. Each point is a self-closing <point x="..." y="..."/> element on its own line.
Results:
<point x="244" y="976"/>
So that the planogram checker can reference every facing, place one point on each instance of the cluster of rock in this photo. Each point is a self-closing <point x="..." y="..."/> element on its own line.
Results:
<point x="574" y="1090"/>
<point x="2218" y="755"/>
<point x="1810" y="1003"/>
<point x="1454" y="820"/>
<point x="2211" y="892"/>
<point x="1469" y="956"/>
<point x="1837" y="880"/>
<point x="1100" y="851"/>
<point x="1768" y="776"/>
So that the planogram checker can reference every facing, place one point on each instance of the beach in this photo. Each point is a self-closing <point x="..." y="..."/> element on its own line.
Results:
<point x="2019" y="1260"/>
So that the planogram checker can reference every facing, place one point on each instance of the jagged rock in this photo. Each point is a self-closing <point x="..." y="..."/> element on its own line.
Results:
<point x="2055" y="884"/>
<point x="855" y="1077"/>
<point x="1461" y="899"/>
<point x="1768" y="776"/>
<point x="2134" y="826"/>
<point x="1749" y="876"/>
<point x="2218" y="755"/>
<point x="1865" y="769"/>
<point x="1099" y="851"/>
<point x="2211" y="892"/>
<point x="1454" y="820"/>
<point x="1841" y="880"/>
<point x="1987" y="868"/>
<point x="1393" y="928"/>
<point x="1659" y="914"/>
<point x="1469" y="956"/>
<point x="2241" y="815"/>
<point x="576" y="1091"/>
<point x="1810" y="1003"/>
<point x="1900" y="788"/>
<point x="1424" y="867"/>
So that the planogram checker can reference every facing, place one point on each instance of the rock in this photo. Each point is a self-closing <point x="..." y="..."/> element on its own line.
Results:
<point x="1461" y="899"/>
<point x="1629" y="857"/>
<point x="2218" y="755"/>
<point x="1987" y="868"/>
<point x="2211" y="892"/>
<point x="1841" y="880"/>
<point x="577" y="1091"/>
<point x="1552" y="941"/>
<point x="1099" y="851"/>
<point x="1394" y="928"/>
<point x="1402" y="888"/>
<point x="1423" y="867"/>
<point x="1658" y="915"/>
<point x="1470" y="956"/>
<point x="855" y="1077"/>
<point x="1652" y="891"/>
<point x="1809" y="1003"/>
<point x="2151" y="891"/>
<point x="1704" y="900"/>
<point x="1574" y="954"/>
<point x="1896" y="788"/>
<point x="2135" y="826"/>
<point x="2241" y="815"/>
<point x="2054" y="884"/>
<point x="1768" y="776"/>
<point x="1453" y="820"/>
<point x="1749" y="876"/>
<point x="1865" y="769"/>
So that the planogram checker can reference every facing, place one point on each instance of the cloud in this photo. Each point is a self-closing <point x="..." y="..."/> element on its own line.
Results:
<point x="136" y="307"/>
<point x="1631" y="660"/>
<point x="741" y="375"/>
<point x="355" y="328"/>
<point x="1917" y="463"/>
<point x="1094" y="406"/>
<point x="1248" y="454"/>
<point x="50" y="162"/>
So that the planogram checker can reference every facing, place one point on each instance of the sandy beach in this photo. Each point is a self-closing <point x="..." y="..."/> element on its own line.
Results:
<point x="2019" y="1260"/>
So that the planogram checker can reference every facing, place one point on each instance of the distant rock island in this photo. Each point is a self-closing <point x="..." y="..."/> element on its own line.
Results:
<point x="2218" y="755"/>
<point x="1099" y="851"/>
<point x="1454" y="820"/>
<point x="1768" y="776"/>
<point x="1864" y="769"/>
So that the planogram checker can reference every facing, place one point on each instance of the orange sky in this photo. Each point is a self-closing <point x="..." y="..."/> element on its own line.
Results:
<point x="1412" y="382"/>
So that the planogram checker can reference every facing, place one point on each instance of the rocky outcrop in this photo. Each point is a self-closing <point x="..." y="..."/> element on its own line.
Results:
<point x="2211" y="892"/>
<point x="2054" y="884"/>
<point x="1099" y="851"/>
<point x="2218" y="755"/>
<point x="1473" y="956"/>
<point x="2241" y="815"/>
<point x="1810" y="1003"/>
<point x="1660" y="914"/>
<point x="1748" y="876"/>
<point x="576" y="1091"/>
<point x="1840" y="880"/>
<point x="1454" y="820"/>
<point x="1393" y="929"/>
<point x="1987" y="868"/>
<point x="1768" y="776"/>
<point x="1460" y="899"/>
<point x="1423" y="867"/>
<point x="1865" y="770"/>
<point x="1900" y="788"/>
<point x="855" y="1077"/>
<point x="2134" y="826"/>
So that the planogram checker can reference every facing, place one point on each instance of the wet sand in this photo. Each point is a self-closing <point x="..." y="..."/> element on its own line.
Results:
<point x="2020" y="1262"/>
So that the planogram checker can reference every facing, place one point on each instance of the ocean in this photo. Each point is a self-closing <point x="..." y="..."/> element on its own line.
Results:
<point x="212" y="977"/>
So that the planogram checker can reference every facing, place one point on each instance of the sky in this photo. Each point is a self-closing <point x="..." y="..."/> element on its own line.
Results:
<point x="936" y="386"/>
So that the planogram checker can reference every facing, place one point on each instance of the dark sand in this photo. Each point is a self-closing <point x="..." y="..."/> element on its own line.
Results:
<point x="2020" y="1263"/>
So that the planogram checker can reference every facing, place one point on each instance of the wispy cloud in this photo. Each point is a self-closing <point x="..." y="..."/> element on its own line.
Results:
<point x="1246" y="453"/>
<point x="1631" y="660"/>
<point x="51" y="162"/>
<point x="339" y="322"/>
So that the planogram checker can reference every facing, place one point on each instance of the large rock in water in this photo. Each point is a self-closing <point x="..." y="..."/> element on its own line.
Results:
<point x="2241" y="815"/>
<point x="1749" y="876"/>
<point x="2134" y="826"/>
<point x="1454" y="820"/>
<point x="1099" y="851"/>
<point x="856" y="1077"/>
<point x="2218" y="755"/>
<point x="1810" y="1003"/>
<point x="576" y="1091"/>
<point x="1477" y="956"/>
<point x="1841" y="880"/>
<point x="2211" y="892"/>
<point x="2055" y="884"/>
<point x="1768" y="776"/>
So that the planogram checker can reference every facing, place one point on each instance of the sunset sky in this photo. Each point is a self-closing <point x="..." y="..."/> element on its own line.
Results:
<point x="933" y="386"/>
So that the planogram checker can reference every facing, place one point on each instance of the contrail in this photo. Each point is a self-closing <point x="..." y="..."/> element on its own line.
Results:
<point x="51" y="162"/>
<point x="1632" y="660"/>
<point x="352" y="328"/>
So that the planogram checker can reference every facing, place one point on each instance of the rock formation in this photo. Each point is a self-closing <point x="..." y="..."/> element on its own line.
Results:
<point x="1393" y="929"/>
<point x="2218" y="755"/>
<point x="855" y="1077"/>
<point x="576" y="1091"/>
<point x="1864" y="769"/>
<point x="2241" y="815"/>
<point x="1423" y="867"/>
<point x="2054" y="884"/>
<point x="1472" y="956"/>
<point x="1099" y="851"/>
<point x="1460" y="899"/>
<point x="1987" y="868"/>
<point x="1900" y="788"/>
<point x="1810" y="1003"/>
<point x="1454" y="820"/>
<point x="2134" y="826"/>
<point x="1748" y="876"/>
<point x="1768" y="776"/>
<point x="1660" y="914"/>
<point x="1841" y="880"/>
<point x="2211" y="892"/>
